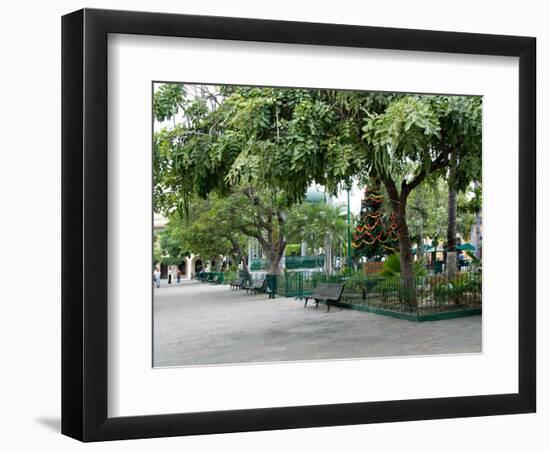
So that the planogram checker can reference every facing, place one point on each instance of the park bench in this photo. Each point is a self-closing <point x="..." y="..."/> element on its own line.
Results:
<point x="196" y="276"/>
<point x="327" y="292"/>
<point x="257" y="286"/>
<point x="209" y="276"/>
<point x="237" y="284"/>
<point x="216" y="278"/>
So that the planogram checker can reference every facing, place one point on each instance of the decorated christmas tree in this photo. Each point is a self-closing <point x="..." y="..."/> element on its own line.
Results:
<point x="376" y="232"/>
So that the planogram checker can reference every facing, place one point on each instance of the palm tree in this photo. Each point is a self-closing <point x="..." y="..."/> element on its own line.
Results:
<point x="318" y="224"/>
<point x="451" y="222"/>
<point x="333" y="224"/>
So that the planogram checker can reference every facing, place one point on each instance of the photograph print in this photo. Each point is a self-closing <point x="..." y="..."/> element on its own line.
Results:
<point x="298" y="224"/>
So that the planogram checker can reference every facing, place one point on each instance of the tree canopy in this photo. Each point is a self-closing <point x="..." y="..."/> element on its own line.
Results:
<point x="277" y="142"/>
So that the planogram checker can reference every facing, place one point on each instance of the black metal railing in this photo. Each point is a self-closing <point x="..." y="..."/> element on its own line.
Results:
<point x="421" y="295"/>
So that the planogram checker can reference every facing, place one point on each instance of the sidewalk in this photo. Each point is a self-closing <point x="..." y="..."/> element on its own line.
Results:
<point x="198" y="323"/>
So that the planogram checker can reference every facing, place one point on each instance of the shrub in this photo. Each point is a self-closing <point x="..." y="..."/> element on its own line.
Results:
<point x="447" y="289"/>
<point x="293" y="250"/>
<point x="229" y="277"/>
<point x="392" y="267"/>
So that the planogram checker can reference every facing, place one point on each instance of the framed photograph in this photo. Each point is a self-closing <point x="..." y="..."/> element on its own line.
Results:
<point x="273" y="225"/>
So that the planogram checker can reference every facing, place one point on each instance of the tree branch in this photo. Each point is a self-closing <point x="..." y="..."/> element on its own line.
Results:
<point x="255" y="235"/>
<point x="392" y="192"/>
<point x="439" y="163"/>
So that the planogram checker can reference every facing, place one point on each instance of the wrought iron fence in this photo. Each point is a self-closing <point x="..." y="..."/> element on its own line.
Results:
<point x="259" y="264"/>
<point x="291" y="262"/>
<point x="422" y="295"/>
<point x="304" y="262"/>
<point x="211" y="277"/>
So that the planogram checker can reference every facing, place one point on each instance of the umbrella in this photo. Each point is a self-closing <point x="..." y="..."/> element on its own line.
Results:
<point x="427" y="249"/>
<point x="466" y="247"/>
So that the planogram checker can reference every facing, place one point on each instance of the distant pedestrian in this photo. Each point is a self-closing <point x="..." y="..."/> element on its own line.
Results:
<point x="169" y="276"/>
<point x="460" y="261"/>
<point x="178" y="276"/>
<point x="156" y="277"/>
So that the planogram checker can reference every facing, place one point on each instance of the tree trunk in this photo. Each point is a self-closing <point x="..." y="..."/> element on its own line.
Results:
<point x="477" y="231"/>
<point x="242" y="257"/>
<point x="274" y="257"/>
<point x="277" y="248"/>
<point x="399" y="205"/>
<point x="420" y="248"/>
<point x="328" y="253"/>
<point x="249" y="263"/>
<point x="245" y="268"/>
<point x="451" y="220"/>
<point x="478" y="235"/>
<point x="406" y="259"/>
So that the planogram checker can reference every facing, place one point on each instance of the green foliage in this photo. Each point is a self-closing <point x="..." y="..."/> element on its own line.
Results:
<point x="169" y="247"/>
<point x="279" y="141"/>
<point x="157" y="254"/>
<point x="392" y="267"/>
<point x="293" y="250"/>
<point x="460" y="118"/>
<point x="400" y="135"/>
<point x="208" y="229"/>
<point x="311" y="222"/>
<point x="282" y="138"/>
<point x="427" y="209"/>
<point x="476" y="262"/>
<point x="456" y="289"/>
<point x="290" y="138"/>
<point x="167" y="100"/>
<point x="229" y="276"/>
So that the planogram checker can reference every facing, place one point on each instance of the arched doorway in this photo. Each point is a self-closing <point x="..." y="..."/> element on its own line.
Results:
<point x="182" y="267"/>
<point x="198" y="265"/>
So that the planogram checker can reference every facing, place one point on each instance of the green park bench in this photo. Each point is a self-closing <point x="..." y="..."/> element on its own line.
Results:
<point x="327" y="292"/>
<point x="199" y="276"/>
<point x="215" y="278"/>
<point x="238" y="284"/>
<point x="256" y="287"/>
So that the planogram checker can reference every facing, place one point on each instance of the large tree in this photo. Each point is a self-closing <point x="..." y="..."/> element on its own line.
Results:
<point x="283" y="140"/>
<point x="202" y="232"/>
<point x="417" y="136"/>
<point x="460" y="118"/>
<point x="223" y="225"/>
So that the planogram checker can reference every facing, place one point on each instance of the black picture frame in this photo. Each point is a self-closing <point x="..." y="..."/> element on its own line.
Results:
<point x="84" y="224"/>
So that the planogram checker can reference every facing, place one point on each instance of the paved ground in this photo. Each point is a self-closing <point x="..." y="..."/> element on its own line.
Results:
<point x="197" y="323"/>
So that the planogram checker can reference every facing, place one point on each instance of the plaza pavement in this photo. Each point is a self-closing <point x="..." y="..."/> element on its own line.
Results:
<point x="198" y="323"/>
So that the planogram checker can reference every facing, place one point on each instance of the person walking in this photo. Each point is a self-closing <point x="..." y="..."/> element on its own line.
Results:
<point x="178" y="276"/>
<point x="156" y="277"/>
<point x="170" y="276"/>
